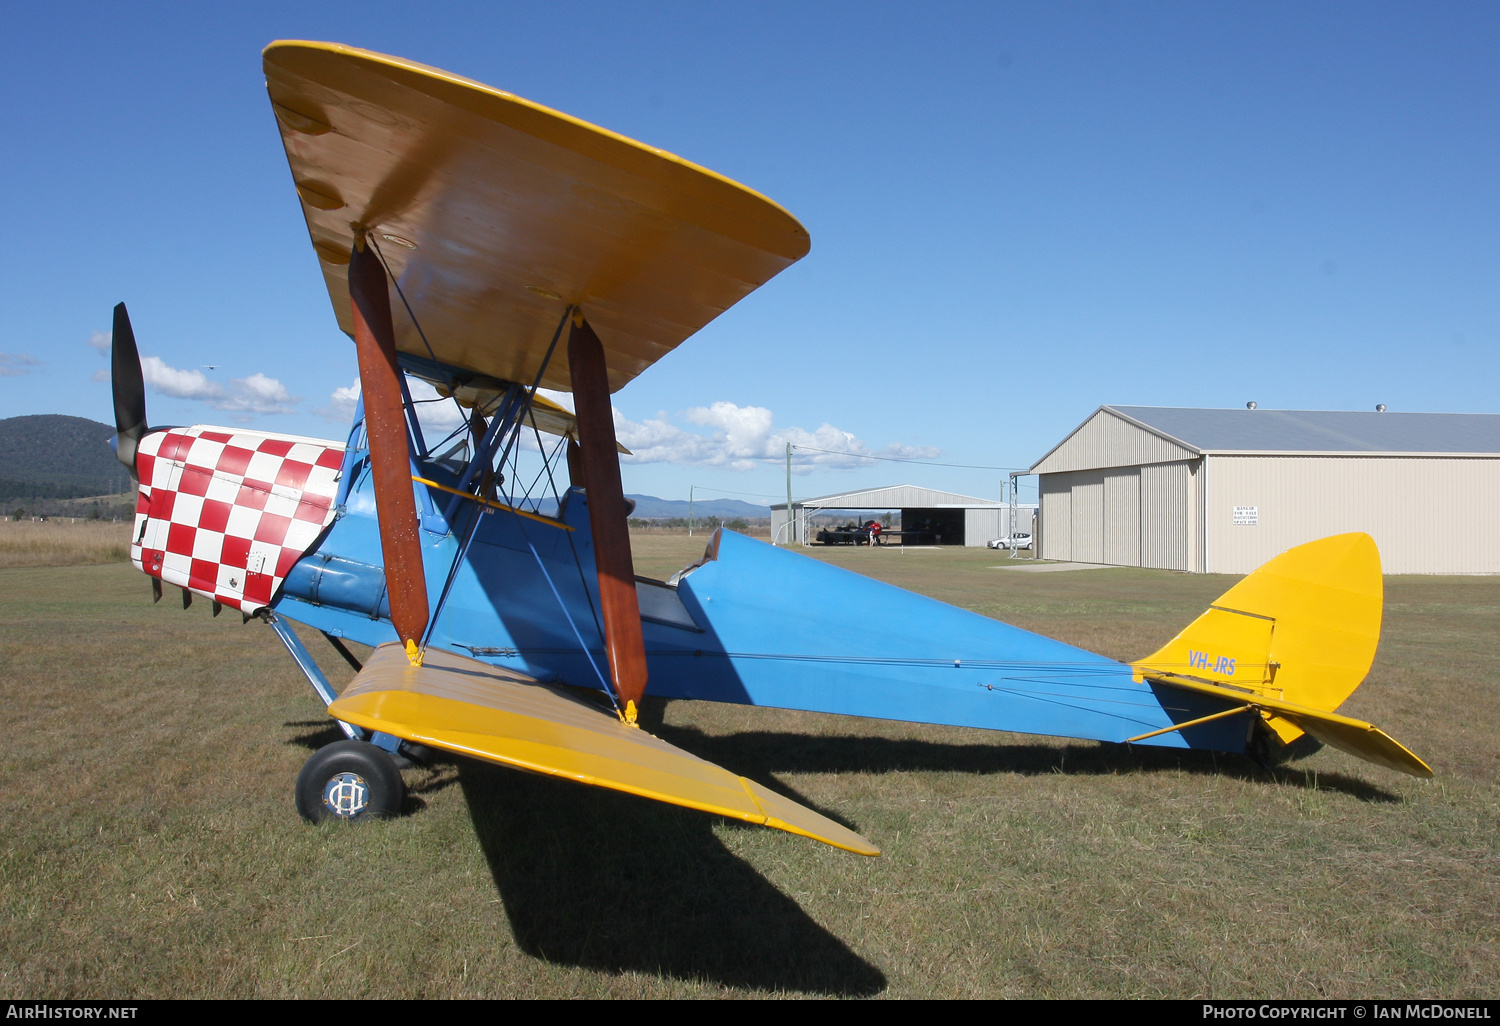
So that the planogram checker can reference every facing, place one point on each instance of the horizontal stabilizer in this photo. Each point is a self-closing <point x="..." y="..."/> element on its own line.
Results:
<point x="466" y="706"/>
<point x="1358" y="738"/>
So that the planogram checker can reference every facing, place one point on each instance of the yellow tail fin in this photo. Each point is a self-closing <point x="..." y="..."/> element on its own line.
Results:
<point x="1294" y="639"/>
<point x="1302" y="628"/>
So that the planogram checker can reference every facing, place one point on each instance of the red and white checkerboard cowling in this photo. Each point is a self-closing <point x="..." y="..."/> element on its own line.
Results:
<point x="226" y="514"/>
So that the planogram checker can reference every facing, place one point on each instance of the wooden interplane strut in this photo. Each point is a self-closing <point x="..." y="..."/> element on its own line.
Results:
<point x="607" y="515"/>
<point x="390" y="452"/>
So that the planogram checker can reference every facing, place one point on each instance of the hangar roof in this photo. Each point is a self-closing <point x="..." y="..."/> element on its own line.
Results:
<point x="1320" y="430"/>
<point x="891" y="497"/>
<point x="1129" y="435"/>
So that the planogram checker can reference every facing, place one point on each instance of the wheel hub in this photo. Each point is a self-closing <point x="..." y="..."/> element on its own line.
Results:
<point x="346" y="794"/>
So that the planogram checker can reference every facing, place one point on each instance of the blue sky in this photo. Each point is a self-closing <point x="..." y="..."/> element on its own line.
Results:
<point x="1018" y="212"/>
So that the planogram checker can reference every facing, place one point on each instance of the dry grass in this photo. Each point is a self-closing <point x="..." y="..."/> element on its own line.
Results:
<point x="151" y="848"/>
<point x="63" y="542"/>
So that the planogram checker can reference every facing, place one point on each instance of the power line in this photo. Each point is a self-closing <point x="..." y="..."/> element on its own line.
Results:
<point x="727" y="491"/>
<point x="898" y="459"/>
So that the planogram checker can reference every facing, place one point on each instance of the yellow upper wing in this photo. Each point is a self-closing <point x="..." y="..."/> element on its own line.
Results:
<point x="494" y="212"/>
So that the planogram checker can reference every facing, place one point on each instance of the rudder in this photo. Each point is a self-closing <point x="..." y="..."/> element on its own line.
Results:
<point x="1302" y="629"/>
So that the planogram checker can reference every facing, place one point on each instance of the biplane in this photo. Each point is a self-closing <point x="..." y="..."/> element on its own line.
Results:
<point x="494" y="248"/>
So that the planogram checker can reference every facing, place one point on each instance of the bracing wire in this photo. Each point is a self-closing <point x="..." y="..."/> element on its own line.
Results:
<point x="511" y="433"/>
<point x="549" y="458"/>
<point x="370" y="238"/>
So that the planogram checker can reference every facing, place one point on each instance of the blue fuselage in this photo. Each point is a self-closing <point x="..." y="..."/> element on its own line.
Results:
<point x="752" y="624"/>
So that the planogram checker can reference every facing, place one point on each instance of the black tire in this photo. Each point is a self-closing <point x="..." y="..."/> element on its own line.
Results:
<point x="350" y="781"/>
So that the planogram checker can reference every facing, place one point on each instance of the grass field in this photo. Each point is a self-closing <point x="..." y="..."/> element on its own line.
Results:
<point x="63" y="542"/>
<point x="151" y="848"/>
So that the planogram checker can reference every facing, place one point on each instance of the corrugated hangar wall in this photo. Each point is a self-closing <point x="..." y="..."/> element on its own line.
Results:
<point x="1116" y="492"/>
<point x="1128" y="516"/>
<point x="1427" y="515"/>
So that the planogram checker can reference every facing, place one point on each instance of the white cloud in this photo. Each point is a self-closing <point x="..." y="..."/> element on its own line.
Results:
<point x="180" y="384"/>
<point x="13" y="365"/>
<point x="101" y="341"/>
<point x="742" y="437"/>
<point x="437" y="415"/>
<point x="563" y="399"/>
<point x="256" y="394"/>
<point x="737" y="437"/>
<point x="341" y="403"/>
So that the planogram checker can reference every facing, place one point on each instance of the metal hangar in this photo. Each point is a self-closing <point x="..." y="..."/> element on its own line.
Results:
<point x="952" y="519"/>
<point x="1222" y="491"/>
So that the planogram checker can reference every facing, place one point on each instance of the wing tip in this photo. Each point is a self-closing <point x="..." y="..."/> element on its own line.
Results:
<point x="782" y="813"/>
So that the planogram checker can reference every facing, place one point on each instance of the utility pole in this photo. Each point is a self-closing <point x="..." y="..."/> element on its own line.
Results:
<point x="690" y="510"/>
<point x="1011" y="533"/>
<point x="791" y="522"/>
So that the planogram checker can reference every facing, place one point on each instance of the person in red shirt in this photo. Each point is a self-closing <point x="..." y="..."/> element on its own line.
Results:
<point x="875" y="529"/>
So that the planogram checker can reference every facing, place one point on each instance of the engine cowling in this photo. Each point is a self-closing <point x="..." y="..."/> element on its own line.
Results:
<point x="227" y="513"/>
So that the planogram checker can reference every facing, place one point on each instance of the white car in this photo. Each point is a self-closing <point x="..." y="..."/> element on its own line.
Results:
<point x="1023" y="541"/>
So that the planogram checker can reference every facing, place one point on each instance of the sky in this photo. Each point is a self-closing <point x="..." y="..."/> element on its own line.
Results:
<point x="1018" y="212"/>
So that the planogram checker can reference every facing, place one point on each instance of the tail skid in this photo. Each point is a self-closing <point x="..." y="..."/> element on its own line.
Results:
<point x="1290" y="643"/>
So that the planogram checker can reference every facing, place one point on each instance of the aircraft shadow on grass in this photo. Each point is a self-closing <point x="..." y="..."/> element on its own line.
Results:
<point x="607" y="881"/>
<point x="313" y="734"/>
<point x="763" y="756"/>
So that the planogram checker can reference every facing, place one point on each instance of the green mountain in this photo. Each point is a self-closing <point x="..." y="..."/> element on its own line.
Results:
<point x="51" y="456"/>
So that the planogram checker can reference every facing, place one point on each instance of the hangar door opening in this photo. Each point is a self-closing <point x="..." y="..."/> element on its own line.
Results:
<point x="933" y="526"/>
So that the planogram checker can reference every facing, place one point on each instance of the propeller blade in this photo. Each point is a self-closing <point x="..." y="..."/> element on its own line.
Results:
<point x="129" y="388"/>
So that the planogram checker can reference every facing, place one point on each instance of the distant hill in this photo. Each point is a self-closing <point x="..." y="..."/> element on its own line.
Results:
<point x="649" y="507"/>
<point x="52" y="456"/>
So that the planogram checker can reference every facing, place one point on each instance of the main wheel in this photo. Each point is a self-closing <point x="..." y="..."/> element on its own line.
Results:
<point x="350" y="780"/>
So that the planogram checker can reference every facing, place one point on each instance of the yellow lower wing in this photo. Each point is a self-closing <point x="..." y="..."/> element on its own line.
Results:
<point x="470" y="707"/>
<point x="1358" y="738"/>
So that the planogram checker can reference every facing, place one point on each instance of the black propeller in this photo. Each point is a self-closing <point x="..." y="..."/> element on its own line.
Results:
<point x="130" y="391"/>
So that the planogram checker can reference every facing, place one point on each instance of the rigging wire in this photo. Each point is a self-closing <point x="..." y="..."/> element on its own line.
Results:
<point x="898" y="459"/>
<point x="567" y="615"/>
<point x="547" y="459"/>
<point x="370" y="238"/>
<point x="546" y="470"/>
<point x="583" y="584"/>
<point x="536" y="383"/>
